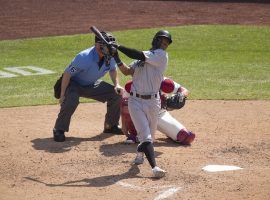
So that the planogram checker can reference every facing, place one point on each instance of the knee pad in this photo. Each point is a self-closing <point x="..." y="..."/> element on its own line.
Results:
<point x="124" y="105"/>
<point x="185" y="137"/>
<point x="126" y="116"/>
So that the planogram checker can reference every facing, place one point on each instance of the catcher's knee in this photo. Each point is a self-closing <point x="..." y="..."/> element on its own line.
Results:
<point x="126" y="119"/>
<point x="185" y="137"/>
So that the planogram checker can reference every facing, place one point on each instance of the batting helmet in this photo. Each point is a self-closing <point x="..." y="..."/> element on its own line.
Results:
<point x="156" y="39"/>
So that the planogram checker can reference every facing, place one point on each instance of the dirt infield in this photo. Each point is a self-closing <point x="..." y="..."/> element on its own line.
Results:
<point x="93" y="165"/>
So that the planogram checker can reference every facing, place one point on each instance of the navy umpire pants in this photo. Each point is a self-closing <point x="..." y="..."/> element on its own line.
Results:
<point x="100" y="91"/>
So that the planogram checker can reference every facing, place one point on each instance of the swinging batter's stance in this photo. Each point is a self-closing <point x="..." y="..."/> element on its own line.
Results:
<point x="144" y="101"/>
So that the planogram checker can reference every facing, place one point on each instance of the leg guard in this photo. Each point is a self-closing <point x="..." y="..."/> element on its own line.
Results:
<point x="169" y="125"/>
<point x="127" y="124"/>
<point x="148" y="149"/>
<point x="174" y="129"/>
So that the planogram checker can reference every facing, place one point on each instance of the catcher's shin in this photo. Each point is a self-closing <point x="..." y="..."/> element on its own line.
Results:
<point x="174" y="129"/>
<point x="169" y="125"/>
<point x="127" y="124"/>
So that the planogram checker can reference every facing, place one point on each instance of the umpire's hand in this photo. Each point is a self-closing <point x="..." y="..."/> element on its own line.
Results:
<point x="61" y="100"/>
<point x="119" y="89"/>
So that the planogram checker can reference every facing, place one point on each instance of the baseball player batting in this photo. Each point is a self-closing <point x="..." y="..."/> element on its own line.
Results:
<point x="167" y="124"/>
<point x="144" y="101"/>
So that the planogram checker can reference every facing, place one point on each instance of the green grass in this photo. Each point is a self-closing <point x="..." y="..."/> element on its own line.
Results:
<point x="213" y="62"/>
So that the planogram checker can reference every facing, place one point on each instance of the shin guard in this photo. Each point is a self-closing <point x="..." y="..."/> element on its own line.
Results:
<point x="148" y="149"/>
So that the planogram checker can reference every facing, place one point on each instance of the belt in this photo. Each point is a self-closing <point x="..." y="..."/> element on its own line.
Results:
<point x="143" y="96"/>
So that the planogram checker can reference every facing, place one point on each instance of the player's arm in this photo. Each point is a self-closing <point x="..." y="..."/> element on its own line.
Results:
<point x="126" y="70"/>
<point x="64" y="84"/>
<point x="114" y="77"/>
<point x="69" y="72"/>
<point x="131" y="53"/>
<point x="180" y="89"/>
<point x="184" y="91"/>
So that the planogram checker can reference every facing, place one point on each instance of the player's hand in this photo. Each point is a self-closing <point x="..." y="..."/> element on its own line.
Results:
<point x="112" y="50"/>
<point x="114" y="44"/>
<point x="119" y="89"/>
<point x="184" y="91"/>
<point x="61" y="100"/>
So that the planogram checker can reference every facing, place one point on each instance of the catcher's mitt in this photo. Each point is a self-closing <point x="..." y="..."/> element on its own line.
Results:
<point x="176" y="101"/>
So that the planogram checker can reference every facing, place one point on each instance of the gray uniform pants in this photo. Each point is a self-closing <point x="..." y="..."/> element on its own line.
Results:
<point x="144" y="115"/>
<point x="100" y="91"/>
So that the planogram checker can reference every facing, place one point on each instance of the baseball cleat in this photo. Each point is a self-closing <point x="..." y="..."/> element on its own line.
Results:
<point x="139" y="159"/>
<point x="158" y="173"/>
<point x="113" y="130"/>
<point x="131" y="139"/>
<point x="59" y="135"/>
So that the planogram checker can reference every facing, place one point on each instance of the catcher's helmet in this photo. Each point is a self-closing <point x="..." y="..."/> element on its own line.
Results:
<point x="108" y="36"/>
<point x="161" y="33"/>
<point x="167" y="86"/>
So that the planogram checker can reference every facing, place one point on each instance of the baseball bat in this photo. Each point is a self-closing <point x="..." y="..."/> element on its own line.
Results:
<point x="98" y="34"/>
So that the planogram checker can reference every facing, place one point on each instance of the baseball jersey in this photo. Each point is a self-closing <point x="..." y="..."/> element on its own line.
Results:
<point x="148" y="74"/>
<point x="85" y="68"/>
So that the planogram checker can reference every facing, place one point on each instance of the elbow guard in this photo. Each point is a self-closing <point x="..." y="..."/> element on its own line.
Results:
<point x="132" y="53"/>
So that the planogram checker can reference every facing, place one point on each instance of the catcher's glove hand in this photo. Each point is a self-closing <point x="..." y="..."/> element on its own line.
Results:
<point x="176" y="101"/>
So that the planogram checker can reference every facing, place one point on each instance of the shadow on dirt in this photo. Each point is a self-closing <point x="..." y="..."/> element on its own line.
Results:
<point x="101" y="181"/>
<point x="115" y="149"/>
<point x="49" y="145"/>
<point x="167" y="142"/>
<point x="119" y="149"/>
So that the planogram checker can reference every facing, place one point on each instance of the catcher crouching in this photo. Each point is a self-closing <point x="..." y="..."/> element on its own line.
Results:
<point x="173" y="96"/>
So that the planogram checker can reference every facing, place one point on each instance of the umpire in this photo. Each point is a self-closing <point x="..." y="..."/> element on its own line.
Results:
<point x="82" y="79"/>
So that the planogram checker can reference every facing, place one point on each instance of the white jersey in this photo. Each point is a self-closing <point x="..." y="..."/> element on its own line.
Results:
<point x="148" y="75"/>
<point x="146" y="79"/>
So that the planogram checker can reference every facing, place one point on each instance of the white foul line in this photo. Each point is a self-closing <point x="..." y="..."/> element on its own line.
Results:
<point x="163" y="195"/>
<point x="127" y="185"/>
<point x="167" y="193"/>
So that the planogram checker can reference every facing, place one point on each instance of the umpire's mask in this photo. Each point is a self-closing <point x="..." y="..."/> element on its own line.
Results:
<point x="104" y="48"/>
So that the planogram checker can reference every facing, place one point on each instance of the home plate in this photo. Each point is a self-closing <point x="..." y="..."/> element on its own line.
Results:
<point x="220" y="168"/>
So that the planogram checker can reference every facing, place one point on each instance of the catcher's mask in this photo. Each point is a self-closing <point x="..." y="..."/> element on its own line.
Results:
<point x="103" y="47"/>
<point x="156" y="43"/>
